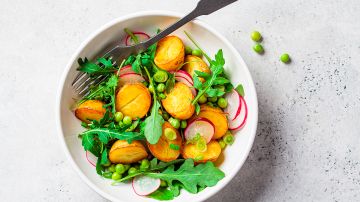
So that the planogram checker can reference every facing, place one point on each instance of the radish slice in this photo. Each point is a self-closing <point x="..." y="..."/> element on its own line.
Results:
<point x="91" y="158"/>
<point x="141" y="36"/>
<point x="130" y="78"/>
<point x="202" y="126"/>
<point x="126" y="69"/>
<point x="186" y="82"/>
<point x="185" y="75"/>
<point x="234" y="104"/>
<point x="144" y="185"/>
<point x="240" y="120"/>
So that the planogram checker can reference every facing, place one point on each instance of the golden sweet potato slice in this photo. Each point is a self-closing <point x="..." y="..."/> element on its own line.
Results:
<point x="133" y="100"/>
<point x="170" y="53"/>
<point x="123" y="152"/>
<point x="193" y="63"/>
<point x="212" y="152"/>
<point x="178" y="101"/>
<point x="162" y="150"/>
<point x="90" y="110"/>
<point x="217" y="117"/>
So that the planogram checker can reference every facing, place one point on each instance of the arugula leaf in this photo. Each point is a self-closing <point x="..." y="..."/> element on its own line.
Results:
<point x="95" y="69"/>
<point x="216" y="67"/>
<point x="162" y="194"/>
<point x="136" y="64"/>
<point x="197" y="108"/>
<point x="202" y="74"/>
<point x="105" y="134"/>
<point x="221" y="81"/>
<point x="152" y="126"/>
<point x="161" y="165"/>
<point x="105" y="91"/>
<point x="104" y="157"/>
<point x="99" y="167"/>
<point x="91" y="144"/>
<point x="240" y="90"/>
<point x="191" y="176"/>
<point x="169" y="85"/>
<point x="211" y="92"/>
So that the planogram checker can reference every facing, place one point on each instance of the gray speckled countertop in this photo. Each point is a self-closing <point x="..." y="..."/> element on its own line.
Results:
<point x="307" y="146"/>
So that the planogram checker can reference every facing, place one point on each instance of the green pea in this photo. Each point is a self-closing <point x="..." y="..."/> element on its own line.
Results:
<point x="258" y="48"/>
<point x="285" y="58"/>
<point x="121" y="124"/>
<point x="256" y="36"/>
<point x="127" y="120"/>
<point x="163" y="183"/>
<point x="183" y="124"/>
<point x="132" y="170"/>
<point x="116" y="176"/>
<point x="188" y="50"/>
<point x="212" y="99"/>
<point x="161" y="87"/>
<point x="144" y="165"/>
<point x="118" y="116"/>
<point x="174" y="122"/>
<point x="120" y="168"/>
<point x="222" y="102"/>
<point x="197" y="52"/>
<point x="111" y="168"/>
<point x="162" y="95"/>
<point x="202" y="99"/>
<point x="170" y="134"/>
<point x="222" y="144"/>
<point x="107" y="175"/>
<point x="228" y="138"/>
<point x="160" y="76"/>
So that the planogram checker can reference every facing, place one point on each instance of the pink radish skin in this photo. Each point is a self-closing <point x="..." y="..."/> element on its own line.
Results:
<point x="90" y="158"/>
<point x="130" y="78"/>
<point x="234" y="104"/>
<point x="186" y="82"/>
<point x="144" y="185"/>
<point x="126" y="69"/>
<point x="183" y="74"/>
<point x="240" y="120"/>
<point x="202" y="126"/>
<point x="141" y="35"/>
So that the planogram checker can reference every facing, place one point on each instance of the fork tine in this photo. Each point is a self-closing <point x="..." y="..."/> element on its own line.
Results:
<point x="86" y="89"/>
<point x="78" y="76"/>
<point x="81" y="81"/>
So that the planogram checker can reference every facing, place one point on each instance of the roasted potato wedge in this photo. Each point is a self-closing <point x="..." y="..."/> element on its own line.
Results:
<point x="217" y="117"/>
<point x="193" y="63"/>
<point x="212" y="152"/>
<point x="178" y="102"/>
<point x="162" y="150"/>
<point x="90" y="110"/>
<point x="133" y="100"/>
<point x="170" y="53"/>
<point x="123" y="152"/>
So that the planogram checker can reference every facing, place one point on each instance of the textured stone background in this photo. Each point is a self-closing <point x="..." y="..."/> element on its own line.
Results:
<point x="308" y="143"/>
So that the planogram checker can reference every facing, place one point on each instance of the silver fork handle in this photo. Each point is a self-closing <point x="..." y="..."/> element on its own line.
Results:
<point x="204" y="7"/>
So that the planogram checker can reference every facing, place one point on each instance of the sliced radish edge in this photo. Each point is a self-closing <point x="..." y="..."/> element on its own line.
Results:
<point x="230" y="97"/>
<point x="240" y="120"/>
<point x="88" y="158"/>
<point x="190" y="135"/>
<point x="140" y="34"/>
<point x="144" y="185"/>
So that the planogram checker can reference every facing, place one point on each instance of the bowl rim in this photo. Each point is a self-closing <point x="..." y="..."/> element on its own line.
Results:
<point x="107" y="25"/>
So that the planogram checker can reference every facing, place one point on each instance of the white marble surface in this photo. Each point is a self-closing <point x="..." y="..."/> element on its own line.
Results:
<point x="308" y="142"/>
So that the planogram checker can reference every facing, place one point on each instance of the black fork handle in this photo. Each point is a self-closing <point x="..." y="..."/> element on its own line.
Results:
<point x="204" y="7"/>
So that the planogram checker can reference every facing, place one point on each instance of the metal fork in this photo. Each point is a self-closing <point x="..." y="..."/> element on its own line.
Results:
<point x="116" y="52"/>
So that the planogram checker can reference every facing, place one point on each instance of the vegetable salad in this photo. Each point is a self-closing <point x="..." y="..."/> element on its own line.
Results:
<point x="161" y="118"/>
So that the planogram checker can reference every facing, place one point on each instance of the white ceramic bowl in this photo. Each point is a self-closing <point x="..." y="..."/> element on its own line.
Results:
<point x="210" y="40"/>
